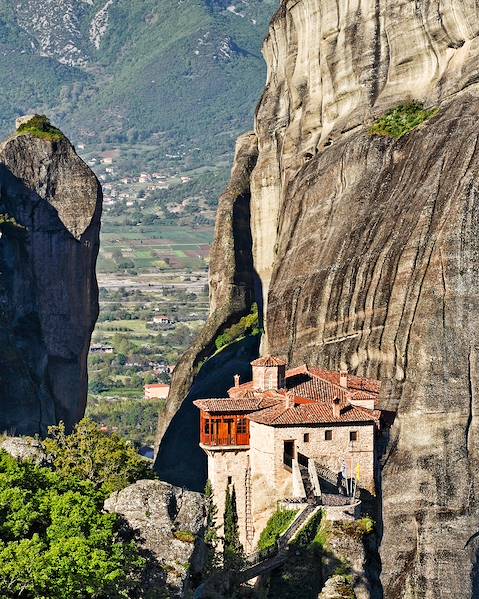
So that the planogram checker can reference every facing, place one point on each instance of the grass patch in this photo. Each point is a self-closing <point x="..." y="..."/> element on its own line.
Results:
<point x="308" y="533"/>
<point x="276" y="526"/>
<point x="402" y="120"/>
<point x="322" y="535"/>
<point x="359" y="528"/>
<point x="185" y="536"/>
<point x="39" y="126"/>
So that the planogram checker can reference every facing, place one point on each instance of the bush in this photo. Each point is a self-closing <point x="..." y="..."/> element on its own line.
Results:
<point x="55" y="540"/>
<point x="185" y="536"/>
<point x="359" y="528"/>
<point x="106" y="460"/>
<point x="39" y="126"/>
<point x="248" y="325"/>
<point x="276" y="526"/>
<point x="402" y="120"/>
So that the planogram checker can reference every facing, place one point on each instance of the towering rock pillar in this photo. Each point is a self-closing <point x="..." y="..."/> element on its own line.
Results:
<point x="365" y="252"/>
<point x="50" y="209"/>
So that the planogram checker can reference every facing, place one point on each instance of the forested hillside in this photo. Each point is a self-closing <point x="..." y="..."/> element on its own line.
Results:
<point x="130" y="70"/>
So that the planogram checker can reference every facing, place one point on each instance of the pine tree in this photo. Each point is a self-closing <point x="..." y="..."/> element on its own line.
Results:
<point x="211" y="530"/>
<point x="233" y="553"/>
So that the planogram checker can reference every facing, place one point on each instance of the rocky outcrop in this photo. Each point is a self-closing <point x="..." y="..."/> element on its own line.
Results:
<point x="25" y="449"/>
<point x="50" y="208"/>
<point x="366" y="251"/>
<point x="337" y="587"/>
<point x="169" y="522"/>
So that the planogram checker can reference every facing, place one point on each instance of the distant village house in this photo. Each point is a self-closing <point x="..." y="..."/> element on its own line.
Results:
<point x="101" y="349"/>
<point x="157" y="391"/>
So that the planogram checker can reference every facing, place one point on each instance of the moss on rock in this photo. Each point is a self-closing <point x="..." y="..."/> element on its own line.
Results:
<point x="40" y="126"/>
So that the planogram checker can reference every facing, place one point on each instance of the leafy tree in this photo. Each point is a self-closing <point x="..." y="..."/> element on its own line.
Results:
<point x="107" y="460"/>
<point x="233" y="553"/>
<point x="55" y="540"/>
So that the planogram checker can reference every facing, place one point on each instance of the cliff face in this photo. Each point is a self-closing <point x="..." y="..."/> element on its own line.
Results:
<point x="365" y="251"/>
<point x="48" y="290"/>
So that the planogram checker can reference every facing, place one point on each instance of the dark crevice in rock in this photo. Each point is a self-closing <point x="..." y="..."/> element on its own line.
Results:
<point x="471" y="402"/>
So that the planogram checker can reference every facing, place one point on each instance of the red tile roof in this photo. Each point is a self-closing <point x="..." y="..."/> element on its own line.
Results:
<point x="311" y="390"/>
<point x="318" y="390"/>
<point x="269" y="361"/>
<point x="354" y="382"/>
<point x="235" y="405"/>
<point x="312" y="413"/>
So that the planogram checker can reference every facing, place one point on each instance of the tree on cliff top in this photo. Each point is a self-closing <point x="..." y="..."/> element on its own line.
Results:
<point x="107" y="460"/>
<point x="233" y="553"/>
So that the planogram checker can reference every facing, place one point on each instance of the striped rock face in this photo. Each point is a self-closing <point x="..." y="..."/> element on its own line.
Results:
<point x="364" y="251"/>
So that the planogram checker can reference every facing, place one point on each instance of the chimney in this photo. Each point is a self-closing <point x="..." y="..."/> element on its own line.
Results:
<point x="289" y="400"/>
<point x="343" y="379"/>
<point x="336" y="407"/>
<point x="237" y="380"/>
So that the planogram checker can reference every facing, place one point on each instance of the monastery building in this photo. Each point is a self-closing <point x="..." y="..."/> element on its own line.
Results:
<point x="298" y="435"/>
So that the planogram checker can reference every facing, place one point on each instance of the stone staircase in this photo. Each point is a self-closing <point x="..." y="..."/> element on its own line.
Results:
<point x="328" y="479"/>
<point x="308" y="485"/>
<point x="261" y="562"/>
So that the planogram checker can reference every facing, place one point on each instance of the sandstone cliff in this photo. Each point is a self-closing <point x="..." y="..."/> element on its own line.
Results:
<point x="364" y="251"/>
<point x="50" y="208"/>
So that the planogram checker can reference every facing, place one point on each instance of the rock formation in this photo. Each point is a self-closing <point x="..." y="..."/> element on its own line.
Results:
<point x="25" y="449"/>
<point x="169" y="522"/>
<point x="366" y="250"/>
<point x="50" y="208"/>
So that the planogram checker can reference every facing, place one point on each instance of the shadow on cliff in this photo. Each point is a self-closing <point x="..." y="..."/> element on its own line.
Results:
<point x="234" y="287"/>
<point x="180" y="460"/>
<point x="43" y="342"/>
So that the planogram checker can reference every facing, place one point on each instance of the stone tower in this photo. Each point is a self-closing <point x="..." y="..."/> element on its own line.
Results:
<point x="268" y="373"/>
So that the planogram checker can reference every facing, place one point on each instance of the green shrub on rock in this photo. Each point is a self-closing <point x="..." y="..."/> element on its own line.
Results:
<point x="402" y="120"/>
<point x="40" y="126"/>
<point x="275" y="527"/>
<point x="248" y="325"/>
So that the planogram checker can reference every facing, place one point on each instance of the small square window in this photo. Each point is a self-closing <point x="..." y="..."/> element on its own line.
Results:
<point x="353" y="435"/>
<point x="230" y="480"/>
<point x="328" y="435"/>
<point x="306" y="437"/>
<point x="242" y="426"/>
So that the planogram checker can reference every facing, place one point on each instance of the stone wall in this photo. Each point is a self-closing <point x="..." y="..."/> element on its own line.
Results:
<point x="267" y="487"/>
<point x="271" y="481"/>
<point x="331" y="453"/>
<point x="223" y="464"/>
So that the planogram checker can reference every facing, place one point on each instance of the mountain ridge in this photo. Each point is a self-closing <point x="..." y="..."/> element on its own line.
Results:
<point x="118" y="70"/>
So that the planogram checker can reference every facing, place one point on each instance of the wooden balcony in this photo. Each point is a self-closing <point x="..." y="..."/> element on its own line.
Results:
<point x="224" y="431"/>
